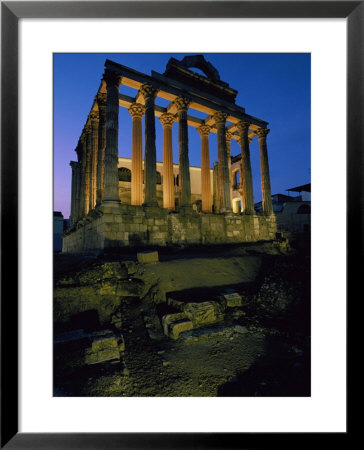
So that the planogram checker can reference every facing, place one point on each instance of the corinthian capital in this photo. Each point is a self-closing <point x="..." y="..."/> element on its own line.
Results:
<point x="262" y="132"/>
<point x="148" y="91"/>
<point x="228" y="136"/>
<point x="111" y="78"/>
<point x="86" y="129"/>
<point x="204" y="130"/>
<point x="136" y="110"/>
<point x="182" y="103"/>
<point x="94" y="117"/>
<point x="243" y="126"/>
<point x="101" y="99"/>
<point x="220" y="118"/>
<point x="166" y="119"/>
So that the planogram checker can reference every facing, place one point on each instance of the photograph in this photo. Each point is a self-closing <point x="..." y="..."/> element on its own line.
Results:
<point x="181" y="224"/>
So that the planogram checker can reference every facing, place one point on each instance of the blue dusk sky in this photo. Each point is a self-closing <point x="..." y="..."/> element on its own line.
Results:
<point x="274" y="87"/>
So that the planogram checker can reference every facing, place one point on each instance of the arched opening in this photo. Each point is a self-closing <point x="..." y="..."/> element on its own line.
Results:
<point x="236" y="179"/>
<point x="124" y="174"/>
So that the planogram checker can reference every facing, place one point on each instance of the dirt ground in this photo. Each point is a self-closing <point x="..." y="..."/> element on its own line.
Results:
<point x="260" y="349"/>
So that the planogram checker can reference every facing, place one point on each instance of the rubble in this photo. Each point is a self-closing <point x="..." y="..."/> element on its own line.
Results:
<point x="105" y="347"/>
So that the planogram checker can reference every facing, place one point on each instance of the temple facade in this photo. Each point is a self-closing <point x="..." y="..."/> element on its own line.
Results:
<point x="124" y="172"/>
<point x="158" y="206"/>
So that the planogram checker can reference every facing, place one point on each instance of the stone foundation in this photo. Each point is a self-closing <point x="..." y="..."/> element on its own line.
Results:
<point x="120" y="225"/>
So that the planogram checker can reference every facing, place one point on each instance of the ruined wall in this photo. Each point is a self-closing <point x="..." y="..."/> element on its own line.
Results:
<point x="126" y="225"/>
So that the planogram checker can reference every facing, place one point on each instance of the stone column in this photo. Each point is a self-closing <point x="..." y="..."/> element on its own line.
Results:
<point x="136" y="110"/>
<point x="94" y="154"/>
<point x="182" y="104"/>
<point x="204" y="131"/>
<point x="264" y="171"/>
<point x="223" y="171"/>
<point x="215" y="198"/>
<point x="167" y="121"/>
<point x="228" y="137"/>
<point x="80" y="189"/>
<point x="87" y="166"/>
<point x="77" y="192"/>
<point x="111" y="179"/>
<point x="73" y="192"/>
<point x="150" y="162"/>
<point x="101" y="101"/>
<point x="246" y="179"/>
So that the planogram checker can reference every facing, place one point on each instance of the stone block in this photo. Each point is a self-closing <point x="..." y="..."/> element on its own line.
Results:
<point x="147" y="257"/>
<point x="160" y="222"/>
<point x="170" y="318"/>
<point x="203" y="313"/>
<point x="233" y="300"/>
<point x="103" y="342"/>
<point x="178" y="327"/>
<point x="107" y="354"/>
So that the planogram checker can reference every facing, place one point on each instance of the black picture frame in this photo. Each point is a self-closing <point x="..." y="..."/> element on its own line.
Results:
<point x="11" y="12"/>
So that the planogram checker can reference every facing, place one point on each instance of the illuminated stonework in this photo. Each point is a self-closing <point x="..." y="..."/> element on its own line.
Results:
<point x="159" y="203"/>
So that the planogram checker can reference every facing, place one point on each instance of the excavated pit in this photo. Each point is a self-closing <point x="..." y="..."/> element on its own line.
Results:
<point x="254" y="350"/>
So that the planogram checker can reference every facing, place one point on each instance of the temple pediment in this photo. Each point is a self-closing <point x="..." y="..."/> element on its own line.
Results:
<point x="210" y="83"/>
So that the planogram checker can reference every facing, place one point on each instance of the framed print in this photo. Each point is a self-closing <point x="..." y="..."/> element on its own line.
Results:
<point x="37" y="41"/>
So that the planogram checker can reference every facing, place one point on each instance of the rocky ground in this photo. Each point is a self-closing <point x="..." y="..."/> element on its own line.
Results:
<point x="261" y="348"/>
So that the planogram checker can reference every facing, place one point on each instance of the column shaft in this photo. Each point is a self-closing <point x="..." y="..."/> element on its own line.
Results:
<point x="94" y="156"/>
<point x="204" y="131"/>
<point x="184" y="163"/>
<point x="168" y="186"/>
<point x="82" y="160"/>
<point x="150" y="162"/>
<point x="223" y="172"/>
<point x="246" y="179"/>
<point x="215" y="196"/>
<point x="87" y="168"/>
<point x="137" y="110"/>
<point x="228" y="137"/>
<point x="111" y="179"/>
<point x="264" y="170"/>
<point x="101" y="100"/>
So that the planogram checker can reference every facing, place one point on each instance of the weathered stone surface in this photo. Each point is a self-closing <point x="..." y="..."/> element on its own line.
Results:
<point x="104" y="342"/>
<point x="233" y="300"/>
<point x="203" y="313"/>
<point x="148" y="257"/>
<point x="153" y="226"/>
<point x="107" y="354"/>
<point x="178" y="327"/>
<point x="170" y="318"/>
<point x="105" y="347"/>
